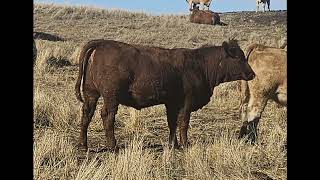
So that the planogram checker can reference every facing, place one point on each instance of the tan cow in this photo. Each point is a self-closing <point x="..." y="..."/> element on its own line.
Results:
<point x="264" y="2"/>
<point x="193" y="3"/>
<point x="270" y="66"/>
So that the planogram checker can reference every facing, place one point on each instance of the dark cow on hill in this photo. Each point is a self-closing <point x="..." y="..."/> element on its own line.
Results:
<point x="205" y="17"/>
<point x="140" y="76"/>
<point x="270" y="67"/>
<point x="47" y="36"/>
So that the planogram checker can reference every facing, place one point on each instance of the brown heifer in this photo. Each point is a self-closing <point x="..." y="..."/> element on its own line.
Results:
<point x="205" y="17"/>
<point x="270" y="67"/>
<point x="140" y="76"/>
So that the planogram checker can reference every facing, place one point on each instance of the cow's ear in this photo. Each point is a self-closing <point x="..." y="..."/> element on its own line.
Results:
<point x="225" y="46"/>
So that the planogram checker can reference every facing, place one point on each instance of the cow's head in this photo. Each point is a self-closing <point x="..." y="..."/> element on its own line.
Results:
<point x="234" y="63"/>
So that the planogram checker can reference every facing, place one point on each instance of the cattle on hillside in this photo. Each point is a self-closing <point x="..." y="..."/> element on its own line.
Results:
<point x="264" y="2"/>
<point x="270" y="67"/>
<point x="205" y="17"/>
<point x="140" y="76"/>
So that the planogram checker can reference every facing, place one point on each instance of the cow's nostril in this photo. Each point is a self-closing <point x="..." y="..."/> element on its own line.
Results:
<point x="253" y="75"/>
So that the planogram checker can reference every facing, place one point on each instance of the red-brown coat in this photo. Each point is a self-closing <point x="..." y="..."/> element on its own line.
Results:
<point x="141" y="76"/>
<point x="205" y="17"/>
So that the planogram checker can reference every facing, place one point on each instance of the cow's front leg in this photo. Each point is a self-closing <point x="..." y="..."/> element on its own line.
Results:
<point x="172" y="115"/>
<point x="184" y="119"/>
<point x="207" y="7"/>
<point x="256" y="105"/>
<point x="202" y="5"/>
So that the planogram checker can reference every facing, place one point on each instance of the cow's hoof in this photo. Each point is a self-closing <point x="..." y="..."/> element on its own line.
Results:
<point x="243" y="130"/>
<point x="185" y="146"/>
<point x="251" y="138"/>
<point x="248" y="132"/>
<point x="173" y="146"/>
<point x="106" y="149"/>
<point x="82" y="147"/>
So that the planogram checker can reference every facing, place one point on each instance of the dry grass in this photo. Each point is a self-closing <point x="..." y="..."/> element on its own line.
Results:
<point x="216" y="153"/>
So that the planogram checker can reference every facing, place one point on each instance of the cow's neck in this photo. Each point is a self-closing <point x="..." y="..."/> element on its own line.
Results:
<point x="214" y="71"/>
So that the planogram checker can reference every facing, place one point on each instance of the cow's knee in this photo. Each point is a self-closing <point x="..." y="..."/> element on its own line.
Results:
<point x="253" y="113"/>
<point x="282" y="98"/>
<point x="243" y="111"/>
<point x="248" y="130"/>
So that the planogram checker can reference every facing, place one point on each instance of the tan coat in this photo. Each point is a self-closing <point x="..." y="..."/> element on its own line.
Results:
<point x="270" y="67"/>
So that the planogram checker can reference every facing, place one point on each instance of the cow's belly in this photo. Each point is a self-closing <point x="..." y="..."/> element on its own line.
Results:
<point x="139" y="102"/>
<point x="200" y="99"/>
<point x="143" y="94"/>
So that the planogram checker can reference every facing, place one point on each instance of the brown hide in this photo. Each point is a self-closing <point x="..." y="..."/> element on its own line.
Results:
<point x="140" y="76"/>
<point x="205" y="17"/>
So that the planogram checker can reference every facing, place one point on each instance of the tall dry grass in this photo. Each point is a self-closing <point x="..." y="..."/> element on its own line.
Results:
<point x="142" y="136"/>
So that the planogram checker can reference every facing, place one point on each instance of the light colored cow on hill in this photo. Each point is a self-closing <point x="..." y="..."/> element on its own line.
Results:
<point x="270" y="67"/>
<point x="264" y="2"/>
<point x="193" y="3"/>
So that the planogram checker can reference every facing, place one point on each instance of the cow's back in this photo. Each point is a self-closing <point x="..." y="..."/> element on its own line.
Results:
<point x="147" y="75"/>
<point x="270" y="66"/>
<point x="201" y="17"/>
<point x="269" y="60"/>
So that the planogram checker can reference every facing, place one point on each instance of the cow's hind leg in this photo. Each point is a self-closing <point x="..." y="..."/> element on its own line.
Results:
<point x="202" y="5"/>
<point x="108" y="113"/>
<point x="190" y="6"/>
<point x="88" y="108"/>
<point x="172" y="115"/>
<point x="254" y="110"/>
<point x="195" y="6"/>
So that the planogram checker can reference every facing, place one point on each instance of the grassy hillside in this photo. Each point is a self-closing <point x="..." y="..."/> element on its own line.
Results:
<point x="216" y="153"/>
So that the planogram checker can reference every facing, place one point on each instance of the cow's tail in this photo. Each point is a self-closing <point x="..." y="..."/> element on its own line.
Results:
<point x="83" y="61"/>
